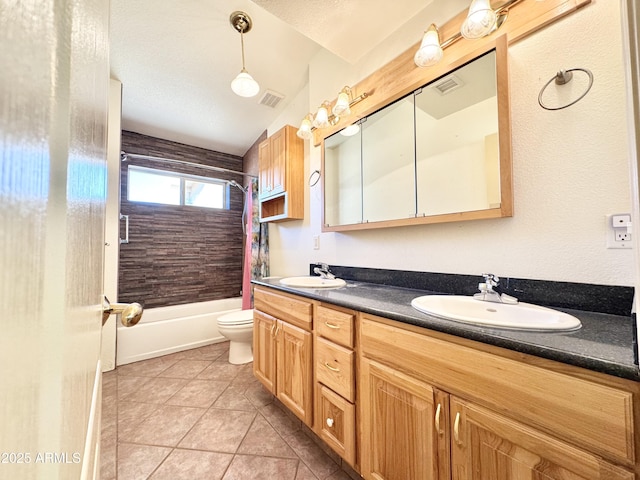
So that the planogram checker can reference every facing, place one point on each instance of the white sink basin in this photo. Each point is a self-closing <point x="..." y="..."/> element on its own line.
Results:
<point x="522" y="316"/>
<point x="313" y="282"/>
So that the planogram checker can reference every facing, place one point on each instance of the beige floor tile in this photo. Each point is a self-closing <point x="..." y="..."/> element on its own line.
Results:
<point x="233" y="398"/>
<point x="245" y="375"/>
<point x="214" y="351"/>
<point x="262" y="439"/>
<point x="166" y="426"/>
<point x="321" y="464"/>
<point x="193" y="464"/>
<point x="219" y="431"/>
<point x="198" y="393"/>
<point x="147" y="412"/>
<point x="137" y="462"/>
<point x="258" y="395"/>
<point x="108" y="460"/>
<point x="185" y="369"/>
<point x="247" y="467"/>
<point x="284" y="423"/>
<point x="155" y="390"/>
<point x="220" y="371"/>
<point x="132" y="414"/>
<point x="146" y="368"/>
<point x="128" y="385"/>
<point x="304" y="473"/>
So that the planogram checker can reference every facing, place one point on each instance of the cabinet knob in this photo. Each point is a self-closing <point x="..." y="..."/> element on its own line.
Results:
<point x="330" y="422"/>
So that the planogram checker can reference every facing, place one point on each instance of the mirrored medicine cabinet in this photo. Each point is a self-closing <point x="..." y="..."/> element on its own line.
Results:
<point x="441" y="153"/>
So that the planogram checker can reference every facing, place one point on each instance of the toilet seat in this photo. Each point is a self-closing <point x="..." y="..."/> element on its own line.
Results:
<point x="242" y="317"/>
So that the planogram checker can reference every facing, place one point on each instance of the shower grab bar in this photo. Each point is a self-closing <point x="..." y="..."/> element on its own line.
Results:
<point x="126" y="229"/>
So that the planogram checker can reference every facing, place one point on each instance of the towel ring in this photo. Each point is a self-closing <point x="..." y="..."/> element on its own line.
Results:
<point x="312" y="181"/>
<point x="561" y="78"/>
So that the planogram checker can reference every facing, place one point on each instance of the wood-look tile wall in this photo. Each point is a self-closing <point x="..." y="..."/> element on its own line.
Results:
<point x="180" y="254"/>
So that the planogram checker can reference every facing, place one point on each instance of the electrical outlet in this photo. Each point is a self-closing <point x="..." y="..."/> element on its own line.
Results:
<point x="316" y="242"/>
<point x="619" y="230"/>
<point x="622" y="236"/>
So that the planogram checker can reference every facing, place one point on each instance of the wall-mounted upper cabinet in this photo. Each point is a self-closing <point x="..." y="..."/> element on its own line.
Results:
<point x="280" y="176"/>
<point x="442" y="153"/>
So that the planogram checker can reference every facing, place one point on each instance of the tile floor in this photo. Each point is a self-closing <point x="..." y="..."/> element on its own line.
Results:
<point x="193" y="415"/>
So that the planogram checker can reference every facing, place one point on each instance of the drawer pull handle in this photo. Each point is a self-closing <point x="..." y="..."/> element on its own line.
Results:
<point x="333" y="369"/>
<point x="438" y="419"/>
<point x="329" y="422"/>
<point x="456" y="428"/>
<point x="332" y="325"/>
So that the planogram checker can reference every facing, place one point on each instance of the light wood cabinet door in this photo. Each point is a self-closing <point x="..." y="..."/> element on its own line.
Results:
<point x="278" y="162"/>
<point x="264" y="349"/>
<point x="336" y="423"/>
<point x="486" y="445"/>
<point x="400" y="440"/>
<point x="295" y="370"/>
<point x="264" y="169"/>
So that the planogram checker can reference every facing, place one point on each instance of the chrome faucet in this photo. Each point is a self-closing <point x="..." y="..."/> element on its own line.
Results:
<point x="322" y="269"/>
<point x="490" y="291"/>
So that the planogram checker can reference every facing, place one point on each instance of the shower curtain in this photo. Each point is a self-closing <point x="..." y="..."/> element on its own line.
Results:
<point x="256" y="250"/>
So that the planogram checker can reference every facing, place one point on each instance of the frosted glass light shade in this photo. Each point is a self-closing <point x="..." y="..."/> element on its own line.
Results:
<point x="244" y="85"/>
<point x="321" y="119"/>
<point x="304" y="132"/>
<point x="342" y="104"/>
<point x="480" y="20"/>
<point x="430" y="51"/>
<point x="350" y="130"/>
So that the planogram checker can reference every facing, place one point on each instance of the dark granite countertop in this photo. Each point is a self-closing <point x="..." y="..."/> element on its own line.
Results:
<point x="603" y="344"/>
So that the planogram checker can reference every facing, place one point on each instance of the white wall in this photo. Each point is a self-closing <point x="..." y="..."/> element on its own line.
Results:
<point x="571" y="167"/>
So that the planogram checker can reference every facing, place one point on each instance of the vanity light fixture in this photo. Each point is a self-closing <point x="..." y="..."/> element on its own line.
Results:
<point x="321" y="120"/>
<point x="342" y="106"/>
<point x="304" y="132"/>
<point x="481" y="21"/>
<point x="430" y="51"/>
<point x="243" y="85"/>
<point x="351" y="130"/>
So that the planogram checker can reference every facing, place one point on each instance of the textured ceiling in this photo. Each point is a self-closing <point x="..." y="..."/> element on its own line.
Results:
<point x="176" y="59"/>
<point x="347" y="28"/>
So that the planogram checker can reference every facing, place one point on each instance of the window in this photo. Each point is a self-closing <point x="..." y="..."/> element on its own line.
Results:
<point x="159" y="186"/>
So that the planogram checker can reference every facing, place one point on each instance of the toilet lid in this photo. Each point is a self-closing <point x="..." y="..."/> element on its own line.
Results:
<point x="241" y="317"/>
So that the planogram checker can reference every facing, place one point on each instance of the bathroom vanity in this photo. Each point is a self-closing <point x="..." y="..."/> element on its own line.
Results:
<point x="399" y="394"/>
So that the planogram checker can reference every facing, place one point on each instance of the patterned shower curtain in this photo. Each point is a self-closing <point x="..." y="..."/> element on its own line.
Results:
<point x="256" y="251"/>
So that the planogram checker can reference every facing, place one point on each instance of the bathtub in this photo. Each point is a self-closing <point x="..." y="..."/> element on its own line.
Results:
<point x="172" y="329"/>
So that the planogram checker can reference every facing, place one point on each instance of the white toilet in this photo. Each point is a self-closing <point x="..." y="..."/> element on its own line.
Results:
<point x="238" y="328"/>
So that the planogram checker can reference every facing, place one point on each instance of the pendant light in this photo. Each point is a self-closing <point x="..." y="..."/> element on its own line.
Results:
<point x="243" y="85"/>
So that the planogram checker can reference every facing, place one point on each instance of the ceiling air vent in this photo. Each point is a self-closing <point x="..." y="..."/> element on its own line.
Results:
<point x="271" y="99"/>
<point x="448" y="85"/>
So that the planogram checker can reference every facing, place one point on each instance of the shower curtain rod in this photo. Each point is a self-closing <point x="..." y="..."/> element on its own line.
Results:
<point x="124" y="156"/>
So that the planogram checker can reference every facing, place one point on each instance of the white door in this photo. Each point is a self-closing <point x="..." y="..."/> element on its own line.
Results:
<point x="53" y="111"/>
<point x="112" y="223"/>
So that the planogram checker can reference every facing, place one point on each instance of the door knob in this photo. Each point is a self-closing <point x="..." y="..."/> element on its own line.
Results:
<point x="130" y="313"/>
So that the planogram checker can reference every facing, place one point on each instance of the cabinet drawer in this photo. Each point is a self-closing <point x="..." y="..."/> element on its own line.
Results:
<point x="336" y="423"/>
<point x="291" y="309"/>
<point x="335" y="325"/>
<point x="596" y="416"/>
<point x="334" y="368"/>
